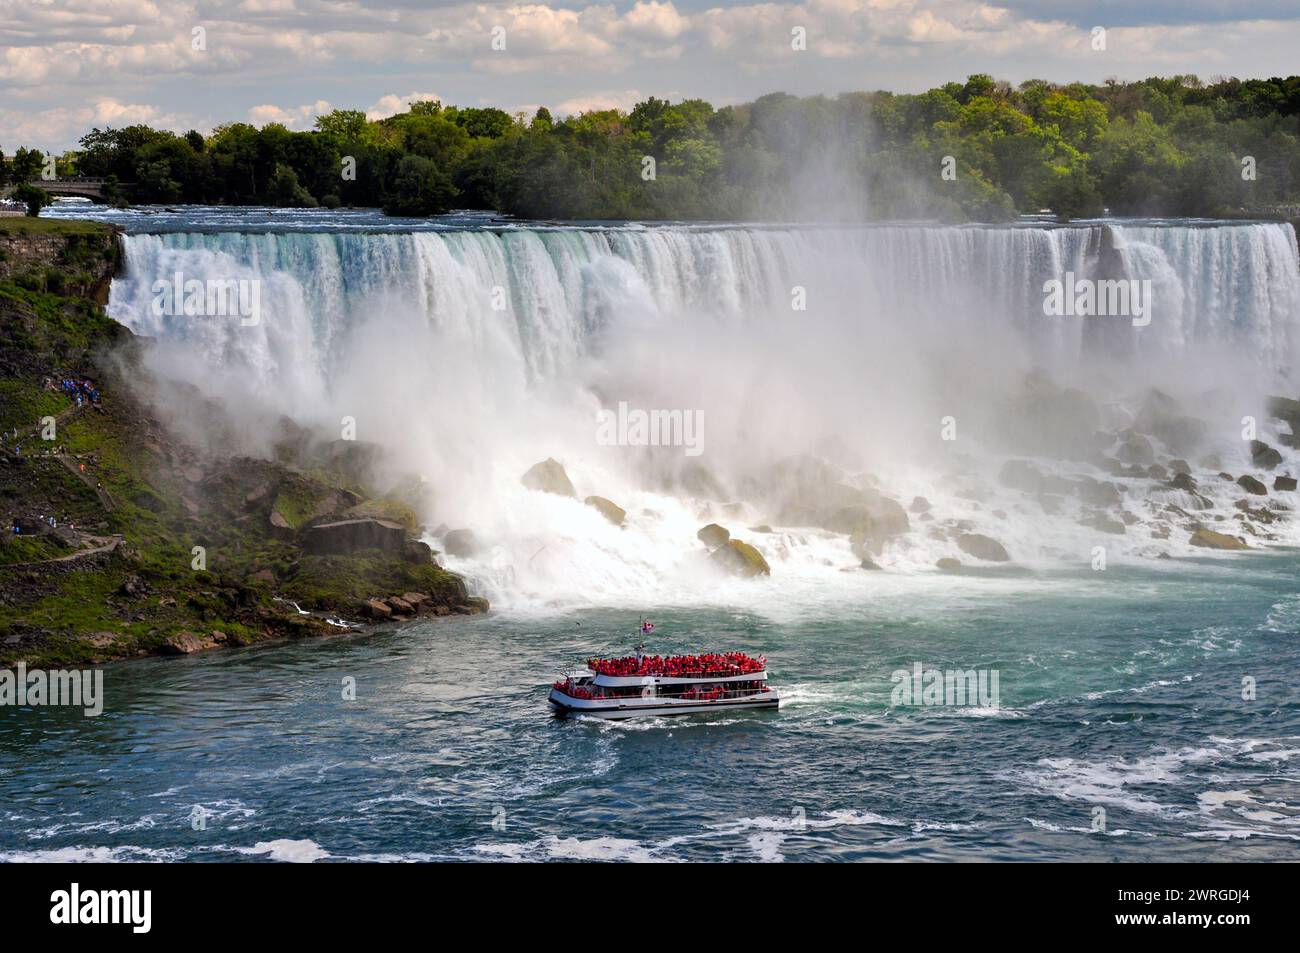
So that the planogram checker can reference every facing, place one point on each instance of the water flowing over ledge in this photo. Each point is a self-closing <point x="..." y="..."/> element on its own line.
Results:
<point x="471" y="353"/>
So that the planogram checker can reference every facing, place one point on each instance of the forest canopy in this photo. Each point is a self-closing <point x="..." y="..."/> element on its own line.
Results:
<point x="980" y="150"/>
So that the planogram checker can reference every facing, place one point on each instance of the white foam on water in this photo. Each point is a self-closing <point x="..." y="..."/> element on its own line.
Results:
<point x="286" y="850"/>
<point x="125" y="853"/>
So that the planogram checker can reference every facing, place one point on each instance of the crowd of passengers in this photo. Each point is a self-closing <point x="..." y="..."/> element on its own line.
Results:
<point x="709" y="664"/>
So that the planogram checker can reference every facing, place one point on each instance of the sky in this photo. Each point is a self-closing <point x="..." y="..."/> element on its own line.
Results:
<point x="69" y="65"/>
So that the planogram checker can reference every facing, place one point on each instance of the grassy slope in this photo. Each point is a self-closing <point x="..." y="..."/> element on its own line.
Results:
<point x="26" y="225"/>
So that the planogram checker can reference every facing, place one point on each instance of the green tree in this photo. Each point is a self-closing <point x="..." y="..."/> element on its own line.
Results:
<point x="34" y="198"/>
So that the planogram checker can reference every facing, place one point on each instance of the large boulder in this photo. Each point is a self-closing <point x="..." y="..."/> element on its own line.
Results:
<point x="608" y="509"/>
<point x="186" y="643"/>
<point x="351" y="536"/>
<point x="461" y="543"/>
<point x="549" y="477"/>
<point x="1136" y="449"/>
<point x="982" y="547"/>
<point x="1251" y="485"/>
<point x="1103" y="523"/>
<point x="1285" y="408"/>
<point x="948" y="564"/>
<point x="876" y="518"/>
<point x="1264" y="456"/>
<point x="741" y="559"/>
<point x="1097" y="492"/>
<point x="1284" y="483"/>
<point x="1023" y="475"/>
<point x="1162" y="416"/>
<point x="1042" y="419"/>
<point x="1209" y="539"/>
<point x="376" y="609"/>
<point x="713" y="535"/>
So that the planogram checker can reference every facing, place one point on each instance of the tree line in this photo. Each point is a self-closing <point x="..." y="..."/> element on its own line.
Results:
<point x="980" y="150"/>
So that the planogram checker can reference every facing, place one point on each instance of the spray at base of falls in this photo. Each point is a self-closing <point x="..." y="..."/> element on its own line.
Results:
<point x="470" y="355"/>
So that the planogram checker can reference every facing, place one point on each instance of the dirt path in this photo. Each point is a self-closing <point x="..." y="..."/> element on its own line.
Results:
<point x="105" y="547"/>
<point x="74" y="467"/>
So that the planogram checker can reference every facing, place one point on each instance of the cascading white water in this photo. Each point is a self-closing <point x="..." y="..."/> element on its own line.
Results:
<point x="472" y="354"/>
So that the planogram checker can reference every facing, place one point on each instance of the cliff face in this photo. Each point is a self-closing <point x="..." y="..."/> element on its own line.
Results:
<point x="118" y="538"/>
<point x="75" y="258"/>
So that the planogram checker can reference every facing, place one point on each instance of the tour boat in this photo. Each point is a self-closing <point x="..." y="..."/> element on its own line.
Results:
<point x="665" y="685"/>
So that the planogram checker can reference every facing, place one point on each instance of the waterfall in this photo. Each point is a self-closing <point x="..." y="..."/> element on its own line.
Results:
<point x="473" y="353"/>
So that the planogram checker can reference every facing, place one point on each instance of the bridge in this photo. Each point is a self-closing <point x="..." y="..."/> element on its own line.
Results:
<point x="85" y="188"/>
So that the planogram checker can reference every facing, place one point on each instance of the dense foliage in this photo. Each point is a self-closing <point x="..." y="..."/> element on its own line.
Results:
<point x="1159" y="146"/>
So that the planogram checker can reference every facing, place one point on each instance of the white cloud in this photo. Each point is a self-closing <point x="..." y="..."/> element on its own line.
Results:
<point x="299" y="117"/>
<point x="393" y="104"/>
<point x="624" y="99"/>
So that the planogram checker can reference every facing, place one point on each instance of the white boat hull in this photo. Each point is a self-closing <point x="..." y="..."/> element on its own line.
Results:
<point x="656" y="707"/>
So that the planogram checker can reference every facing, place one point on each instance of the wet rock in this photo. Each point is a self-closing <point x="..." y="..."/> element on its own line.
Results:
<point x="1260" y="514"/>
<point x="417" y="551"/>
<point x="1162" y="417"/>
<point x="761" y="528"/>
<point x="741" y="559"/>
<point x="920" y="505"/>
<point x="608" y="509"/>
<point x="399" y="606"/>
<point x="549" y="477"/>
<point x="1097" y="492"/>
<point x="1251" y="485"/>
<point x="1284" y="483"/>
<point x="1103" y="523"/>
<point x="868" y="563"/>
<point x="1180" y="466"/>
<point x="982" y="547"/>
<point x="1136" y="450"/>
<point x="948" y="564"/>
<point x="713" y="535"/>
<point x="876" y="519"/>
<point x="1023" y="475"/>
<point x="1285" y="408"/>
<point x="280" y="527"/>
<point x="1157" y="472"/>
<point x="1183" y="481"/>
<point x="461" y="543"/>
<point x="351" y="536"/>
<point x="185" y="643"/>
<point x="376" y="609"/>
<point x="1209" y="539"/>
<point x="1045" y="420"/>
<point x="1264" y="456"/>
